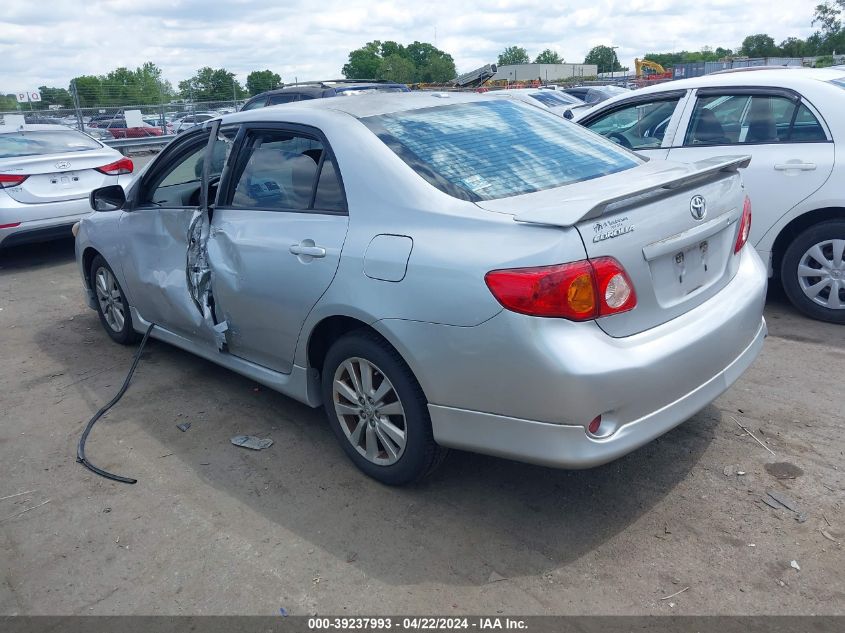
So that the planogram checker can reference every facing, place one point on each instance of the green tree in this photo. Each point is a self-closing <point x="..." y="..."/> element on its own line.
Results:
<point x="262" y="80"/>
<point x="605" y="58"/>
<point x="397" y="68"/>
<point x="759" y="45"/>
<point x="439" y="70"/>
<point x="417" y="62"/>
<point x="793" y="47"/>
<point x="828" y="17"/>
<point x="211" y="84"/>
<point x="548" y="56"/>
<point x="513" y="55"/>
<point x="54" y="96"/>
<point x="89" y="88"/>
<point x="364" y="62"/>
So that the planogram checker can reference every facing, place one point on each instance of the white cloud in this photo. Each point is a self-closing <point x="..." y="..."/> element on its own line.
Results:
<point x="47" y="43"/>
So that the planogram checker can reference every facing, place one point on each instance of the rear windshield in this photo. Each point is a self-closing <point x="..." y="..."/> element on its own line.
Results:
<point x="362" y="89"/>
<point x="497" y="148"/>
<point x="44" y="142"/>
<point x="553" y="99"/>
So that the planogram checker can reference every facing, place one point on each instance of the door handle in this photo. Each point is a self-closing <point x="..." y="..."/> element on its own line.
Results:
<point x="799" y="166"/>
<point x="306" y="248"/>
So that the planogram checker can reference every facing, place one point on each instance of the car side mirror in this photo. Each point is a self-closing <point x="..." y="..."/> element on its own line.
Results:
<point x="111" y="198"/>
<point x="568" y="115"/>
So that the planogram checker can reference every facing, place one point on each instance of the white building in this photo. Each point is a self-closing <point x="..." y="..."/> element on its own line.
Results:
<point x="544" y="72"/>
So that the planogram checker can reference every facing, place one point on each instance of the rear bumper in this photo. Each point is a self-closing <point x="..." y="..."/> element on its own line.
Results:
<point x="526" y="388"/>
<point x="566" y="446"/>
<point x="39" y="222"/>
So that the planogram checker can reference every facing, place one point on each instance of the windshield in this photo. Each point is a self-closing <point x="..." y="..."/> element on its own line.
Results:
<point x="360" y="89"/>
<point x="497" y="148"/>
<point x="554" y="99"/>
<point x="44" y="142"/>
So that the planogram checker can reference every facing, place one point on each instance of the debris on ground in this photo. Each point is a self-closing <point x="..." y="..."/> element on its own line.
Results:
<point x="677" y="593"/>
<point x="12" y="516"/>
<point x="794" y="564"/>
<point x="17" y="494"/>
<point x="753" y="437"/>
<point x="783" y="470"/>
<point x="184" y="426"/>
<point x="495" y="577"/>
<point x="829" y="537"/>
<point x="283" y="612"/>
<point x="783" y="500"/>
<point x="252" y="442"/>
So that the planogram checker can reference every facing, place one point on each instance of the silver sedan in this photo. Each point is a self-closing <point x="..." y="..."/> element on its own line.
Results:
<point x="46" y="175"/>
<point x="439" y="270"/>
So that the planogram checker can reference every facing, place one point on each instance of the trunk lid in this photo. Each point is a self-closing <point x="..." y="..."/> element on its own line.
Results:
<point x="643" y="217"/>
<point x="59" y="177"/>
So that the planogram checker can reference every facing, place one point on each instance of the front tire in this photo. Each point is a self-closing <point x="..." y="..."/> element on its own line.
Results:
<point x="112" y="306"/>
<point x="377" y="410"/>
<point x="813" y="271"/>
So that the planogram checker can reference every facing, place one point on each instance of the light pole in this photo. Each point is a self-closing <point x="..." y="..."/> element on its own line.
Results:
<point x="612" y="55"/>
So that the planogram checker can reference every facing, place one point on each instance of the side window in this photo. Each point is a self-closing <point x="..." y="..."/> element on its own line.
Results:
<point x="640" y="125"/>
<point x="751" y="119"/>
<point x="276" y="171"/>
<point x="329" y="196"/>
<point x="178" y="185"/>
<point x="806" y="127"/>
<point x="254" y="105"/>
<point x="283" y="98"/>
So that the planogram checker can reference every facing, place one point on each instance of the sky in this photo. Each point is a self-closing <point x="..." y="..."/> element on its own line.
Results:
<point x="47" y="42"/>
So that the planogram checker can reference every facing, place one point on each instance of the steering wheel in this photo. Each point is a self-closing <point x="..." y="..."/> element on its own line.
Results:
<point x="620" y="139"/>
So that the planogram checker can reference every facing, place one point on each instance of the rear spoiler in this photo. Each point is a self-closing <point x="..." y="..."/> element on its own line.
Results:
<point x="591" y="198"/>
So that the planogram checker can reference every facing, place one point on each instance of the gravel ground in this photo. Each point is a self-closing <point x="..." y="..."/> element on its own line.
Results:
<point x="215" y="529"/>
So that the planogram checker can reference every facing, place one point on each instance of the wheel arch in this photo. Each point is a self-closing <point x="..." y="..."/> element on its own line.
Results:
<point x="796" y="226"/>
<point x="88" y="256"/>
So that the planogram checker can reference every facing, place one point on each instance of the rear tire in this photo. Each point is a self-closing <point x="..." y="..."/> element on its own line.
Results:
<point x="820" y="295"/>
<point x="112" y="306"/>
<point x="378" y="411"/>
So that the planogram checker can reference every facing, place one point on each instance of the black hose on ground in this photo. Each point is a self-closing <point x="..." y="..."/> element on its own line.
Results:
<point x="80" y="448"/>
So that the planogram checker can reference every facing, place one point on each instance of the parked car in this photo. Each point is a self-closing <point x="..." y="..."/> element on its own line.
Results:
<point x="118" y="129"/>
<point x="595" y="94"/>
<point x="103" y="120"/>
<point x="790" y="122"/>
<point x="321" y="90"/>
<point x="46" y="175"/>
<point x="554" y="101"/>
<point x="439" y="270"/>
<point x="41" y="119"/>
<point x="190" y="120"/>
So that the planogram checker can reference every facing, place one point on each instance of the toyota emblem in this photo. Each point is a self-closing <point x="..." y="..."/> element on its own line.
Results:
<point x="698" y="207"/>
<point x="62" y="164"/>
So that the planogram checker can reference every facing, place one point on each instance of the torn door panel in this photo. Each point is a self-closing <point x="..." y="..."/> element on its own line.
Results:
<point x="199" y="278"/>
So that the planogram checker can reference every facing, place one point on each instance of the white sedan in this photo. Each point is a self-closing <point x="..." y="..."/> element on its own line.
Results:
<point x="790" y="122"/>
<point x="47" y="173"/>
<point x="554" y="101"/>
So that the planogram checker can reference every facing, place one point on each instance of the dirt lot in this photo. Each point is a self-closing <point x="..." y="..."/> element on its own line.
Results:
<point x="211" y="528"/>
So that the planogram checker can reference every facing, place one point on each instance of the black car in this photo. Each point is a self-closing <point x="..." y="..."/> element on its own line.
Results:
<point x="321" y="90"/>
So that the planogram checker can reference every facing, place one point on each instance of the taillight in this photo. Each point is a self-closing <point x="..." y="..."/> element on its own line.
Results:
<point x="578" y="291"/>
<point x="122" y="166"/>
<point x="744" y="226"/>
<point x="11" y="180"/>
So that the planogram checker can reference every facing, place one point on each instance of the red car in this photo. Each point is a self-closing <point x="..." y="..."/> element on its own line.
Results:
<point x="118" y="129"/>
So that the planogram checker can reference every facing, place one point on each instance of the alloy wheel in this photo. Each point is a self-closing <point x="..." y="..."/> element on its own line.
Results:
<point x="369" y="411"/>
<point x="108" y="296"/>
<point x="821" y="274"/>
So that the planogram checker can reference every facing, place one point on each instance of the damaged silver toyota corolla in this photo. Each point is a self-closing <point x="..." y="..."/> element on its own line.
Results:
<point x="439" y="270"/>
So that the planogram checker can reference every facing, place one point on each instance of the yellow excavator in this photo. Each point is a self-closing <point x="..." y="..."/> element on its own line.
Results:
<point x="647" y="69"/>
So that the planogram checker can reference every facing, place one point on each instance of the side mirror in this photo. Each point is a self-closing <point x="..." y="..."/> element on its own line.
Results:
<point x="568" y="115"/>
<point x="111" y="198"/>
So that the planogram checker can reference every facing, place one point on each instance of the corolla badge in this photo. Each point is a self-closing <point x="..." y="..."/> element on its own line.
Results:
<point x="62" y="164"/>
<point x="698" y="207"/>
<point x="608" y="229"/>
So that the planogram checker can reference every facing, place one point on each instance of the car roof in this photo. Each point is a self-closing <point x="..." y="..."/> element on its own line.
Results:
<point x="364" y="105"/>
<point x="33" y="127"/>
<point x="785" y="76"/>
